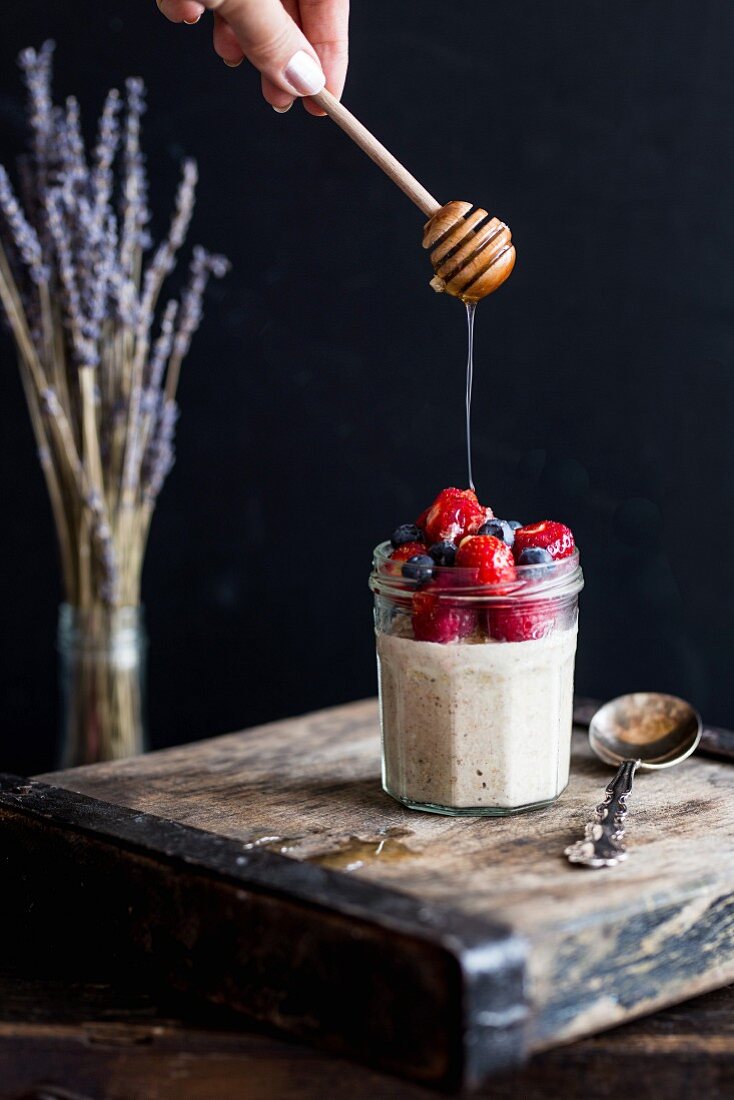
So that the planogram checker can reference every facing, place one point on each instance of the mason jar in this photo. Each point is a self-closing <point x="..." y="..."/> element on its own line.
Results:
<point x="479" y="721"/>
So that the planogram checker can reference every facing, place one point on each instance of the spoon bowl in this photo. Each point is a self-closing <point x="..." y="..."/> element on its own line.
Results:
<point x="656" y="730"/>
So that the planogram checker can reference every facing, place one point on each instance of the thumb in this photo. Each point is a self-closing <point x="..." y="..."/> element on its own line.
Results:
<point x="273" y="43"/>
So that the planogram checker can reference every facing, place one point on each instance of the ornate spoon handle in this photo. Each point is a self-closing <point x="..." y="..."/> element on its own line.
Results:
<point x="603" y="845"/>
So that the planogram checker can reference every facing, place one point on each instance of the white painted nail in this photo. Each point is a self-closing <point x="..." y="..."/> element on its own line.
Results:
<point x="282" y="110"/>
<point x="304" y="74"/>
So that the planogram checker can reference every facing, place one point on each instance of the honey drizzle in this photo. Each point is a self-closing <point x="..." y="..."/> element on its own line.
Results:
<point x="470" y="311"/>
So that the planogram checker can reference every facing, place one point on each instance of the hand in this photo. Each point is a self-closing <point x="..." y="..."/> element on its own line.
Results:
<point x="299" y="46"/>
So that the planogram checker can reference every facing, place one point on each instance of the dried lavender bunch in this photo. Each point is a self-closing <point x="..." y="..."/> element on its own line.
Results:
<point x="80" y="283"/>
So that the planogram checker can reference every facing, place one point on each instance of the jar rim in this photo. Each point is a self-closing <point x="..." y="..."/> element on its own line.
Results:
<point x="562" y="577"/>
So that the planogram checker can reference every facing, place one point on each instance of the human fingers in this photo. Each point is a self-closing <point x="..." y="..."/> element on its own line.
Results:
<point x="226" y="44"/>
<point x="181" y="11"/>
<point x="275" y="96"/>
<point x="271" y="40"/>
<point x="326" y="25"/>
<point x="279" y="100"/>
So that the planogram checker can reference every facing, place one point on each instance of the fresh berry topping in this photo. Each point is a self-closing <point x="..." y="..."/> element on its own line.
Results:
<point x="514" y="524"/>
<point x="436" y="621"/>
<point x="454" y="514"/>
<point x="488" y="556"/>
<point x="408" y="532"/>
<point x="418" y="568"/>
<point x="522" y="622"/>
<point x="452" y="578"/>
<point x="501" y="529"/>
<point x="534" y="555"/>
<point x="556" y="538"/>
<point x="443" y="553"/>
<point x="407" y="550"/>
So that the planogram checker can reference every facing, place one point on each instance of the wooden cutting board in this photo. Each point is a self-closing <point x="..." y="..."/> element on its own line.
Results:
<point x="267" y="870"/>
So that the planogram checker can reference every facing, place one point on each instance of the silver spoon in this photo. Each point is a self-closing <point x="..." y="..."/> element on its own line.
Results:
<point x="643" y="730"/>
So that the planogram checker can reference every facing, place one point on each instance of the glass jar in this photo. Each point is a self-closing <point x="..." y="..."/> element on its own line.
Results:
<point x="478" y="720"/>
<point x="102" y="653"/>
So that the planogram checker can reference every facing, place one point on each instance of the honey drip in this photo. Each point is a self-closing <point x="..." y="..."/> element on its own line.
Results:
<point x="470" y="311"/>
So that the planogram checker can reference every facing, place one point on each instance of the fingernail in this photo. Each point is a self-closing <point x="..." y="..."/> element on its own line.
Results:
<point x="192" y="22"/>
<point x="233" y="64"/>
<point x="304" y="74"/>
<point x="282" y="110"/>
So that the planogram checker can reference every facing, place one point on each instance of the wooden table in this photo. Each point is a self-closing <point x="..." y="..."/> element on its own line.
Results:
<point x="87" y="1039"/>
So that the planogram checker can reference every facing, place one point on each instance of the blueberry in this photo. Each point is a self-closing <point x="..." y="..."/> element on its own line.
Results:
<point x="534" y="555"/>
<point x="407" y="533"/>
<point x="443" y="553"/>
<point x="501" y="529"/>
<point x="418" y="568"/>
<point x="514" y="524"/>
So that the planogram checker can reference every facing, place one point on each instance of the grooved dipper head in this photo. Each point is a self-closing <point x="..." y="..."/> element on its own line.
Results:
<point x="472" y="254"/>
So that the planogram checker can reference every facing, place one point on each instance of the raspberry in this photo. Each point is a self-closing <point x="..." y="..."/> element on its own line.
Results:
<point x="522" y="622"/>
<point x="491" y="559"/>
<point x="435" y="620"/>
<point x="407" y="550"/>
<point x="554" y="537"/>
<point x="453" y="514"/>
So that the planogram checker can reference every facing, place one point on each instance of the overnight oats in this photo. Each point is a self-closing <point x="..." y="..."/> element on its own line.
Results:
<point x="475" y="621"/>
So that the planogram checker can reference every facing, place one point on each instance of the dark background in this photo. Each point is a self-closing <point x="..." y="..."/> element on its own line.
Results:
<point x="322" y="400"/>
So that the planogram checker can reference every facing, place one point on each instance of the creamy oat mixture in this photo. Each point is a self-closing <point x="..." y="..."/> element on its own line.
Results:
<point x="476" y="725"/>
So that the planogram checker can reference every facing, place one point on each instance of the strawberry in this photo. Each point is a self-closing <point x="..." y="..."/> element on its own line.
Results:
<point x="421" y="521"/>
<point x="453" y="514"/>
<point x="554" y="537"/>
<point x="489" y="558"/>
<point x="521" y="622"/>
<point x="408" y="550"/>
<point x="434" y="620"/>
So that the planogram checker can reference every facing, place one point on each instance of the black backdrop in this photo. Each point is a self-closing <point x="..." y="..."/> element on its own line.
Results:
<point x="322" y="401"/>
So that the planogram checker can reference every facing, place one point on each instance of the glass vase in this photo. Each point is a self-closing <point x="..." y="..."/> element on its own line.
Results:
<point x="102" y="653"/>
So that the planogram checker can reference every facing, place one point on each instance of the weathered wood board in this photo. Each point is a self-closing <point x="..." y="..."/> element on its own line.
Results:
<point x="439" y="948"/>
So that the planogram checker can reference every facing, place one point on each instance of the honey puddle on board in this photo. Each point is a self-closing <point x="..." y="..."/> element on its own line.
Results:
<point x="358" y="851"/>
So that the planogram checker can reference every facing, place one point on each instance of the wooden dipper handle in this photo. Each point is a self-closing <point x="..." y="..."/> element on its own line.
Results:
<point x="374" y="149"/>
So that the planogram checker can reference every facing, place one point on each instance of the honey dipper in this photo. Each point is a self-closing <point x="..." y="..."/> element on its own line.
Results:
<point x="472" y="254"/>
